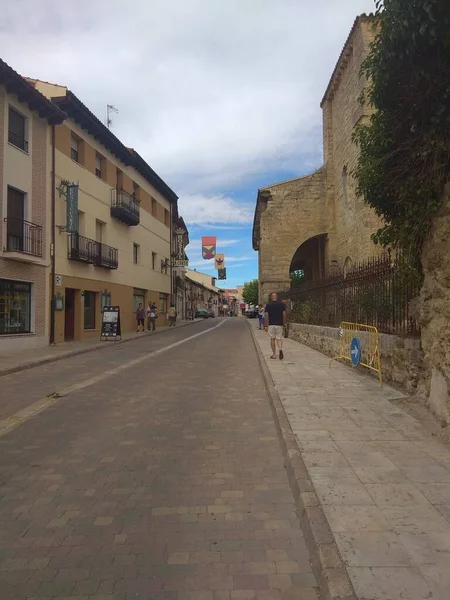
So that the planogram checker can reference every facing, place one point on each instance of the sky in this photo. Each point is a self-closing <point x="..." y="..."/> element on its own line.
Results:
<point x="220" y="98"/>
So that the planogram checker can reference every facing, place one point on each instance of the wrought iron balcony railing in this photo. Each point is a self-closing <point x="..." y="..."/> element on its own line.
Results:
<point x="91" y="252"/>
<point x="125" y="207"/>
<point x="23" y="236"/>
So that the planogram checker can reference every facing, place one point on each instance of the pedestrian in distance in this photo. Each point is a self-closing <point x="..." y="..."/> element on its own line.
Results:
<point x="172" y="314"/>
<point x="151" y="316"/>
<point x="275" y="322"/>
<point x="140" y="317"/>
<point x="261" y="316"/>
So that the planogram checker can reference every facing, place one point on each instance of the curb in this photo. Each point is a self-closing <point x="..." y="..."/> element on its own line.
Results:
<point x="70" y="353"/>
<point x="327" y="564"/>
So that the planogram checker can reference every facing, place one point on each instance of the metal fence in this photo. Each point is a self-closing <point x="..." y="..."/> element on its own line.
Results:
<point x="375" y="292"/>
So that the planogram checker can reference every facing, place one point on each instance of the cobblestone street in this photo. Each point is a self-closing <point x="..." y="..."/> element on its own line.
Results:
<point x="163" y="479"/>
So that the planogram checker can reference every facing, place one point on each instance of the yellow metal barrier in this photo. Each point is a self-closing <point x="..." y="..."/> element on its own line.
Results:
<point x="369" y="339"/>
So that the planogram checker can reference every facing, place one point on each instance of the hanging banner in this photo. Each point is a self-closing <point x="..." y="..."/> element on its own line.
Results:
<point x="219" y="261"/>
<point x="72" y="208"/>
<point x="222" y="273"/>
<point x="209" y="247"/>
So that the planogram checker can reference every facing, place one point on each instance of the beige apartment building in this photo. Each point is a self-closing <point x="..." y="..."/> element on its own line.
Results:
<point x="113" y="229"/>
<point x="26" y="122"/>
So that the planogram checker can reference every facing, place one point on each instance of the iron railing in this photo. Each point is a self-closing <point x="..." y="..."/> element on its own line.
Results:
<point x="23" y="236"/>
<point x="125" y="207"/>
<point x="375" y="292"/>
<point x="89" y="251"/>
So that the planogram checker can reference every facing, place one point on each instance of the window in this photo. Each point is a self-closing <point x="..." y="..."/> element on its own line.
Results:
<point x="164" y="266"/>
<point x="105" y="299"/>
<point x="345" y="184"/>
<point x="135" y="254"/>
<point x="166" y="218"/>
<point x="154" y="207"/>
<point x="99" y="231"/>
<point x="99" y="165"/>
<point x="153" y="260"/>
<point x="163" y="304"/>
<point x="75" y="149"/>
<point x="136" y="191"/>
<point x="17" y="130"/>
<point x="15" y="220"/>
<point x="138" y="298"/>
<point x="89" y="310"/>
<point x="15" y="307"/>
<point x="119" y="179"/>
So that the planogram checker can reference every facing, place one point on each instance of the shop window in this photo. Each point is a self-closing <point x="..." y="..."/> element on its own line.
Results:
<point x="138" y="298"/>
<point x="15" y="307"/>
<point x="105" y="299"/>
<point x="17" y="130"/>
<point x="163" y="303"/>
<point x="89" y="310"/>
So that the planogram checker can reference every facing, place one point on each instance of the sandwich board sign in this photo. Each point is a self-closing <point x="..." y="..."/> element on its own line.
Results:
<point x="111" y="323"/>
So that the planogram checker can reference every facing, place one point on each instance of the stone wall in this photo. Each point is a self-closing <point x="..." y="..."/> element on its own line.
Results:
<point x="300" y="202"/>
<point x="323" y="203"/>
<point x="402" y="359"/>
<point x="350" y="222"/>
<point x="432" y="309"/>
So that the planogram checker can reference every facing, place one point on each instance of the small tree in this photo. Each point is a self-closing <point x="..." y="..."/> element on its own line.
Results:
<point x="250" y="292"/>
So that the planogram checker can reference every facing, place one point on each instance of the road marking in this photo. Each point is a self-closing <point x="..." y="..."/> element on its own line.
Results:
<point x="6" y="425"/>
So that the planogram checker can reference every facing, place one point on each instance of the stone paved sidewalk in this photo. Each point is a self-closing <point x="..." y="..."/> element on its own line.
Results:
<point x="382" y="480"/>
<point x="26" y="359"/>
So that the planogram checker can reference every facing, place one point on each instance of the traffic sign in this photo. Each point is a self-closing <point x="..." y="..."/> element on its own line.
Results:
<point x="355" y="351"/>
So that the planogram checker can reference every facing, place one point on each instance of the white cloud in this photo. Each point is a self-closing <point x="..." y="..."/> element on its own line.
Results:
<point x="208" y="210"/>
<point x="209" y="93"/>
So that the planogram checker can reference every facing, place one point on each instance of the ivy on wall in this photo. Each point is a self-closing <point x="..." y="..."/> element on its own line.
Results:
<point x="404" y="160"/>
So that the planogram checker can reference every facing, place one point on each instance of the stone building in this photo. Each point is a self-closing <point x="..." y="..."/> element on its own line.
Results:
<point x="317" y="223"/>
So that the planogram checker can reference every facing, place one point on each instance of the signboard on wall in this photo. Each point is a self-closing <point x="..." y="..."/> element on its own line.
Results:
<point x="111" y="323"/>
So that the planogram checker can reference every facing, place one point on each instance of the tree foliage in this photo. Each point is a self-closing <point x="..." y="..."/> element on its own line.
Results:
<point x="404" y="160"/>
<point x="250" y="293"/>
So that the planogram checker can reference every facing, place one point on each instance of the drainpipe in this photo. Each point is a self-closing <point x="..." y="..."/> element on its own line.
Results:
<point x="52" y="244"/>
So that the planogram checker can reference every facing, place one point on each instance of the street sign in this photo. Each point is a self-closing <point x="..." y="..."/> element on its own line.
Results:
<point x="355" y="351"/>
<point x="179" y="262"/>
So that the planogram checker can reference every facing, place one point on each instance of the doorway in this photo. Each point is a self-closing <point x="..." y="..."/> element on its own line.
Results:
<point x="69" y="315"/>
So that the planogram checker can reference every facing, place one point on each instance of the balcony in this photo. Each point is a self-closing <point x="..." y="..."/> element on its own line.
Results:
<point x="125" y="207"/>
<point x="91" y="252"/>
<point x="23" y="237"/>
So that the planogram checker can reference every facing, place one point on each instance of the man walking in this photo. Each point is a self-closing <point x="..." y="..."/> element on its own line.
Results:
<point x="275" y="322"/>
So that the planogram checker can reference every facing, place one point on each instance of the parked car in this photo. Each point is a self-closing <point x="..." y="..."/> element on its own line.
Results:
<point x="201" y="313"/>
<point x="251" y="313"/>
<point x="211" y="313"/>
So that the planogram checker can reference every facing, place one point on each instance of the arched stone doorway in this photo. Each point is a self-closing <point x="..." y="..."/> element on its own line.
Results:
<point x="308" y="262"/>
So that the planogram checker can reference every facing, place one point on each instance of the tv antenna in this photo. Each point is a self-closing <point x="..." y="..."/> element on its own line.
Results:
<point x="110" y="109"/>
